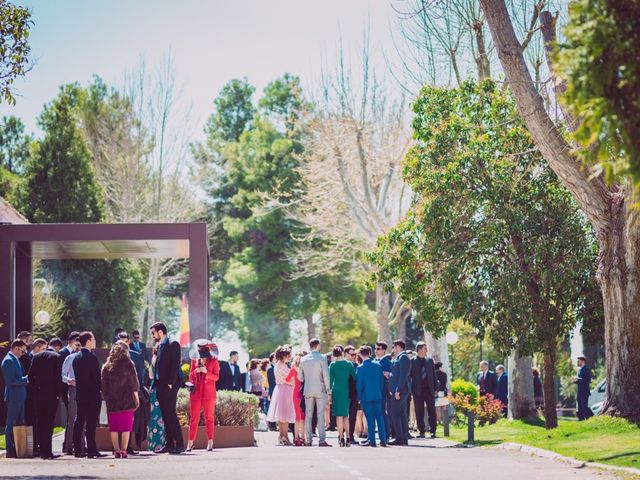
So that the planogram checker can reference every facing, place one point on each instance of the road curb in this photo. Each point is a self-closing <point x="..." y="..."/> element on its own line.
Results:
<point x="540" y="452"/>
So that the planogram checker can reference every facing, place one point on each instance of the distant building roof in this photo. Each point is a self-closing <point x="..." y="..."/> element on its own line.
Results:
<point x="8" y="214"/>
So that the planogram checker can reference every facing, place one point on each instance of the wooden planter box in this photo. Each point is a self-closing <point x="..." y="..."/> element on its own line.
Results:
<point x="224" y="437"/>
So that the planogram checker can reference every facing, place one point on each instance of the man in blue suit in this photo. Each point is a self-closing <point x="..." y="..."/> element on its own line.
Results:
<point x="502" y="388"/>
<point x="384" y="360"/>
<point x="15" y="391"/>
<point x="370" y="386"/>
<point x="399" y="390"/>
<point x="583" y="380"/>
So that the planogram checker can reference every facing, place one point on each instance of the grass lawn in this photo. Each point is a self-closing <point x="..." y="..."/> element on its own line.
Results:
<point x="3" y="445"/>
<point x="613" y="441"/>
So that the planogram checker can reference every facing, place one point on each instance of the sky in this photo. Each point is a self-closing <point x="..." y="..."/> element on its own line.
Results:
<point x="210" y="42"/>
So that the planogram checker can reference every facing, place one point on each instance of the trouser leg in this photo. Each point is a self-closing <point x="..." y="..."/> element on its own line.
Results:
<point x="431" y="411"/>
<point x="15" y="416"/>
<point x="309" y="406"/>
<point x="353" y="415"/>
<point x="418" y="405"/>
<point x="321" y="403"/>
<point x="368" y="410"/>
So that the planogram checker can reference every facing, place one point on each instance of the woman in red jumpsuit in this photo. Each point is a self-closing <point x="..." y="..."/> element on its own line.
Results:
<point x="203" y="375"/>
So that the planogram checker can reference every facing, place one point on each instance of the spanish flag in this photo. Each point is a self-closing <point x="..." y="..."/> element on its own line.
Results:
<point x="185" y="337"/>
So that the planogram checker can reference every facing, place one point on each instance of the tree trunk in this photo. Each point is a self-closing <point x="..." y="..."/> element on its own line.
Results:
<point x="311" y="328"/>
<point x="619" y="279"/>
<point x="549" y="386"/>
<point x="438" y="349"/>
<point x="521" y="400"/>
<point x="382" y="314"/>
<point x="616" y="225"/>
<point x="401" y="326"/>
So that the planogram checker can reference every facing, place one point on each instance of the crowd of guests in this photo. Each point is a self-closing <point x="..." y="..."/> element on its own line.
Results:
<point x="361" y="391"/>
<point x="316" y="391"/>
<point x="139" y="390"/>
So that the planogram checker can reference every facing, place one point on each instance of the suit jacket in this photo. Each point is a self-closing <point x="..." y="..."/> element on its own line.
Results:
<point x="88" y="379"/>
<point x="205" y="382"/>
<point x="229" y="380"/>
<point x="15" y="381"/>
<point x="45" y="374"/>
<point x="584" y="381"/>
<point x="369" y="381"/>
<point x="141" y="348"/>
<point x="138" y="362"/>
<point x="314" y="372"/>
<point x="400" y="374"/>
<point x="168" y="365"/>
<point x="427" y="385"/>
<point x="502" y="389"/>
<point x="442" y="381"/>
<point x="489" y="384"/>
<point x="271" y="379"/>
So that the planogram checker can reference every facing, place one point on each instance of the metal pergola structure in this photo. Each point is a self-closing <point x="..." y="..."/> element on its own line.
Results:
<point x="20" y="244"/>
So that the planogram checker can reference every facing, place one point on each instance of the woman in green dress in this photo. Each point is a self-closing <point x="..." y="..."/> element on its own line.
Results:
<point x="340" y="371"/>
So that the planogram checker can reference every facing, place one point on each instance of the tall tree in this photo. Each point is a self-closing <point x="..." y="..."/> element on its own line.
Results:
<point x="251" y="174"/>
<point x="354" y="143"/>
<point x="608" y="208"/>
<point x="600" y="62"/>
<point x="14" y="47"/>
<point x="14" y="152"/>
<point x="495" y="238"/>
<point x="60" y="187"/>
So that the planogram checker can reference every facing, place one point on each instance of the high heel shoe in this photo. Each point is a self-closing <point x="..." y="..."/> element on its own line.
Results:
<point x="117" y="454"/>
<point x="124" y="454"/>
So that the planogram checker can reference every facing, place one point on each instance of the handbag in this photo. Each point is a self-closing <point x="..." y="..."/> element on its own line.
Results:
<point x="23" y="438"/>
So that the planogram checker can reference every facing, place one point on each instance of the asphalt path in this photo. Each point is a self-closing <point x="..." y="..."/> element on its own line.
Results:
<point x="422" y="459"/>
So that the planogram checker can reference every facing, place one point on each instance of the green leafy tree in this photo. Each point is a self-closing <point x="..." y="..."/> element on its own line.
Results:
<point x="14" y="151"/>
<point x="600" y="61"/>
<point x="14" y="47"/>
<point x="59" y="187"/>
<point x="494" y="238"/>
<point x="249" y="161"/>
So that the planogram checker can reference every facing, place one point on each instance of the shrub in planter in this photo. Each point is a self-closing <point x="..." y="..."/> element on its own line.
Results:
<point x="236" y="409"/>
<point x="232" y="409"/>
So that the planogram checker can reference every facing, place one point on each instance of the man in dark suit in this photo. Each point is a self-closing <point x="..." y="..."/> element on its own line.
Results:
<point x="167" y="381"/>
<point x="271" y="380"/>
<point x="88" y="382"/>
<point x="384" y="360"/>
<point x="399" y="389"/>
<point x="138" y="345"/>
<point x="486" y="379"/>
<point x="15" y="392"/>
<point x="31" y="405"/>
<point x="424" y="386"/>
<point x="583" y="380"/>
<point x="502" y="388"/>
<point x="370" y="386"/>
<point x="230" y="374"/>
<point x="44" y="377"/>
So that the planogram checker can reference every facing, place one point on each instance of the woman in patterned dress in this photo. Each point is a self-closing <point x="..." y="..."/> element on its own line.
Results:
<point x="156" y="437"/>
<point x="281" y="409"/>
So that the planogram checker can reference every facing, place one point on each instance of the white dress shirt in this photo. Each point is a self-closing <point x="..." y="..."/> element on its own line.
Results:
<point x="67" y="368"/>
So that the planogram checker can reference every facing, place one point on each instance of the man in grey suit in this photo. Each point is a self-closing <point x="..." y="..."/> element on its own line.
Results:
<point x="314" y="372"/>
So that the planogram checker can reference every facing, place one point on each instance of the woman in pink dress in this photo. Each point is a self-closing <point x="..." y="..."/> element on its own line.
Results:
<point x="298" y="432"/>
<point x="281" y="409"/>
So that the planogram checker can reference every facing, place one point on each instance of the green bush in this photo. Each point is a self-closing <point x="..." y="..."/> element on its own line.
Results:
<point x="232" y="409"/>
<point x="466" y="389"/>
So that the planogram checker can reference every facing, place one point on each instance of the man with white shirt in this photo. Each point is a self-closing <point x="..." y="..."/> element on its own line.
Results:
<point x="230" y="374"/>
<point x="69" y="380"/>
<point x="486" y="380"/>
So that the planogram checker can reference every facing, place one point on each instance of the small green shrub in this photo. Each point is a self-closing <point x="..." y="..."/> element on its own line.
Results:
<point x="464" y="388"/>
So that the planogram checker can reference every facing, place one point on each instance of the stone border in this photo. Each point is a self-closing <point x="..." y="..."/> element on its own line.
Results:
<point x="540" y="452"/>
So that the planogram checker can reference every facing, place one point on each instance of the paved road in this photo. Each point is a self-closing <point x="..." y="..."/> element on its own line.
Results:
<point x="433" y="459"/>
